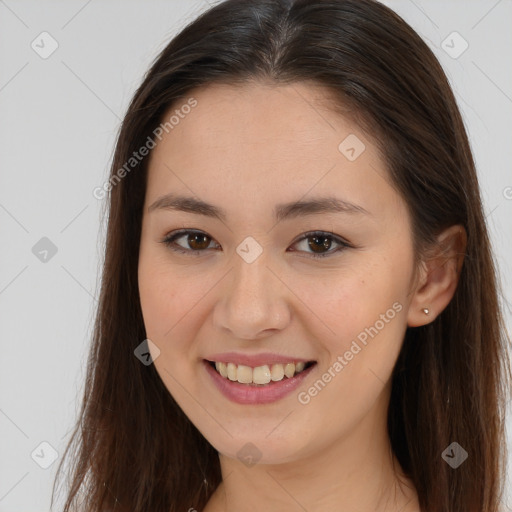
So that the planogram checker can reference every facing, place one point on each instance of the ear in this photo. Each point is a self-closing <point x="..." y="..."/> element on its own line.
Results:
<point x="438" y="276"/>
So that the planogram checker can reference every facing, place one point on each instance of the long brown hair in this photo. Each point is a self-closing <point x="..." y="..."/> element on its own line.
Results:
<point x="133" y="449"/>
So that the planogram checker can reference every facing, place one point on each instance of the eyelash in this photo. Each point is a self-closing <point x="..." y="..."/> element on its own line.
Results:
<point x="169" y="241"/>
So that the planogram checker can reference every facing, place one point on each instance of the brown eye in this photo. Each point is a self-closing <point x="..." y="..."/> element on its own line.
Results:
<point x="198" y="241"/>
<point x="319" y="244"/>
<point x="194" y="241"/>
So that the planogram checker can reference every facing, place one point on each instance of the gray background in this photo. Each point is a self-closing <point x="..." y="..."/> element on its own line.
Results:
<point x="59" y="118"/>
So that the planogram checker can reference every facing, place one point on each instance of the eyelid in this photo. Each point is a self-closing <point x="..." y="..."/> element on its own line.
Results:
<point x="169" y="239"/>
<point x="343" y="244"/>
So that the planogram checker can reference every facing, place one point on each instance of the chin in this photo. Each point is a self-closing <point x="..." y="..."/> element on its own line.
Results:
<point x="258" y="449"/>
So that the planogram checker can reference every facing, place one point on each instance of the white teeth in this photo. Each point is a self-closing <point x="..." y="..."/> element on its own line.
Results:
<point x="289" y="370"/>
<point x="222" y="369"/>
<point x="277" y="372"/>
<point x="244" y="374"/>
<point x="259" y="375"/>
<point x="231" y="371"/>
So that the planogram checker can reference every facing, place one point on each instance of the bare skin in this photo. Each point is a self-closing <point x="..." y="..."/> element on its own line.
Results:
<point x="246" y="149"/>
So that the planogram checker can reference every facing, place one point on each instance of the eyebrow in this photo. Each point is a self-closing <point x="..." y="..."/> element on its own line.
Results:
<point x="281" y="211"/>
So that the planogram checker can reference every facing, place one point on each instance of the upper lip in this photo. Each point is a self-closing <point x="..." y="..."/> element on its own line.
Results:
<point x="255" y="359"/>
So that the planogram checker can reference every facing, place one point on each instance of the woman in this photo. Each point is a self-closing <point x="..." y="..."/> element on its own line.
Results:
<point x="299" y="307"/>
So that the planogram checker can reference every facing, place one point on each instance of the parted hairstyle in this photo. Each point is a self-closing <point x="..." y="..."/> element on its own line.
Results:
<point x="133" y="449"/>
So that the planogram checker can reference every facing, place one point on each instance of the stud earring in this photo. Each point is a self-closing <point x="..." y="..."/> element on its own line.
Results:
<point x="426" y="311"/>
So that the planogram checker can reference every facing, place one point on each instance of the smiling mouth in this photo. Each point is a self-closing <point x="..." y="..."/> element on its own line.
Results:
<point x="261" y="375"/>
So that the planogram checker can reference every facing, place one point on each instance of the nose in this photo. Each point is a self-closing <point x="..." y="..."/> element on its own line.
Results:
<point x="253" y="303"/>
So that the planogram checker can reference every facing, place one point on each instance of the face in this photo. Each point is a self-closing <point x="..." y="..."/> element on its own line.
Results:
<point x="250" y="276"/>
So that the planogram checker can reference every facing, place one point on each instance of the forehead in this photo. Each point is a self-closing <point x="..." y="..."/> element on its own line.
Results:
<point x="264" y="141"/>
<point x="282" y="118"/>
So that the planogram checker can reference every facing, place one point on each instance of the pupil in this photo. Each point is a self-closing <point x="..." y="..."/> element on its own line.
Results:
<point x="325" y="245"/>
<point x="193" y="240"/>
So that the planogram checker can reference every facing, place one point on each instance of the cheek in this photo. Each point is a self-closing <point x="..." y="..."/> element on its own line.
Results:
<point x="351" y="300"/>
<point x="369" y="322"/>
<point x="157" y="300"/>
<point x="173" y="307"/>
<point x="166" y="308"/>
<point x="365" y="312"/>
<point x="164" y="301"/>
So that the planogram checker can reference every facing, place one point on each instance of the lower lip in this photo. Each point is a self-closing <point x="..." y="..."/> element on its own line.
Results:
<point x="247" y="394"/>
